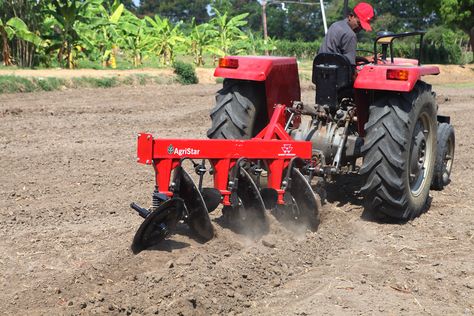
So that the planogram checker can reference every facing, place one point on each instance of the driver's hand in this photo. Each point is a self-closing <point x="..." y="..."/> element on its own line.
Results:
<point x="371" y="58"/>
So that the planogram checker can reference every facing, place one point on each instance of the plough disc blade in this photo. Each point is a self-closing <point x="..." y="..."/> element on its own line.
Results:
<point x="212" y="197"/>
<point x="248" y="208"/>
<point x="158" y="224"/>
<point x="302" y="205"/>
<point x="198" y="215"/>
<point x="270" y="197"/>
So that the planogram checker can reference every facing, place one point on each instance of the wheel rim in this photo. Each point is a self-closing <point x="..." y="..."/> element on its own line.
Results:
<point x="420" y="154"/>
<point x="448" y="161"/>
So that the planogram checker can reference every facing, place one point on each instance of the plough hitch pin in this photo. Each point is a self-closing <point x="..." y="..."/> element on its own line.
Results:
<point x="143" y="212"/>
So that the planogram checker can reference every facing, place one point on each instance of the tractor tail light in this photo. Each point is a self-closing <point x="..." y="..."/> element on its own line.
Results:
<point x="397" y="74"/>
<point x="228" y="63"/>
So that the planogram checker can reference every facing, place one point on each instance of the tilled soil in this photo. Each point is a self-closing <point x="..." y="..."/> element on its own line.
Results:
<point x="68" y="175"/>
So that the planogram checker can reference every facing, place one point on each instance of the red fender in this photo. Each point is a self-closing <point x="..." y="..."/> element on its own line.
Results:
<point x="377" y="77"/>
<point x="280" y="74"/>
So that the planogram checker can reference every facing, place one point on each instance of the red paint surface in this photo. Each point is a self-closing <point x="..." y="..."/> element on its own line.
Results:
<point x="374" y="77"/>
<point x="273" y="144"/>
<point x="280" y="74"/>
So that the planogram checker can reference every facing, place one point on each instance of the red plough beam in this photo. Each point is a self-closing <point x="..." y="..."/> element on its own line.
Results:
<point x="176" y="196"/>
<point x="272" y="144"/>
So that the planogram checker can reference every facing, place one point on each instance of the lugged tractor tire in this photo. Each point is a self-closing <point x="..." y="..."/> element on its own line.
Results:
<point x="444" y="157"/>
<point x="240" y="111"/>
<point x="399" y="153"/>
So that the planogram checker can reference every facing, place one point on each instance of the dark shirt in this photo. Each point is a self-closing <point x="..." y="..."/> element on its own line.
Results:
<point x="340" y="39"/>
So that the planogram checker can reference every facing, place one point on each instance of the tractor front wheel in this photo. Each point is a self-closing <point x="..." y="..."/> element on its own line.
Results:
<point x="240" y="111"/>
<point x="444" y="157"/>
<point x="399" y="153"/>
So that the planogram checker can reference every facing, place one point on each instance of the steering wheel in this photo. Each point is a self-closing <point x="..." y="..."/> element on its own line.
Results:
<point x="362" y="61"/>
<point x="370" y="52"/>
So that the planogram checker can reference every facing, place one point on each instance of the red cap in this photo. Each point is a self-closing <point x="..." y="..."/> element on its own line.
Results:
<point x="364" y="12"/>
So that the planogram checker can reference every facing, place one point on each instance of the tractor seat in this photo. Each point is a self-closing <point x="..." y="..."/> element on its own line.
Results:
<point x="333" y="77"/>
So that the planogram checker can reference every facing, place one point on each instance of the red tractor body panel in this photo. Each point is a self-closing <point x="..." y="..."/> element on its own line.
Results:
<point x="376" y="77"/>
<point x="280" y="74"/>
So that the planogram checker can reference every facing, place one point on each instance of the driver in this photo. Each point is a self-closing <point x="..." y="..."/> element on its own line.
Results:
<point x="341" y="36"/>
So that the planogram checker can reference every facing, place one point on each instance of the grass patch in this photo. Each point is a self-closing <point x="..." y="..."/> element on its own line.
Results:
<point x="164" y="80"/>
<point x="15" y="84"/>
<point x="143" y="79"/>
<point x="90" y="82"/>
<point x="11" y="84"/>
<point x="49" y="83"/>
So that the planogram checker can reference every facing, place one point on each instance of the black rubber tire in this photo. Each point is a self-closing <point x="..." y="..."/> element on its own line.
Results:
<point x="399" y="153"/>
<point x="240" y="111"/>
<point x="444" y="157"/>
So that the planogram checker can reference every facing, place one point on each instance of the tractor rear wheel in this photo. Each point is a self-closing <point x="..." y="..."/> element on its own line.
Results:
<point x="399" y="153"/>
<point x="240" y="111"/>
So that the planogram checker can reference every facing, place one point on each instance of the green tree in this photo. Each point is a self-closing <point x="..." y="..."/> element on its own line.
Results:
<point x="15" y="27"/>
<point x="457" y="14"/>
<point x="292" y="20"/>
<point x="203" y="40"/>
<point x="134" y="39"/>
<point x="108" y="25"/>
<point x="68" y="15"/>
<point x="165" y="38"/>
<point x="128" y="4"/>
<point x="222" y="5"/>
<point x="277" y="21"/>
<point x="176" y="10"/>
<point x="229" y="29"/>
<point x="30" y="12"/>
<point x="304" y="22"/>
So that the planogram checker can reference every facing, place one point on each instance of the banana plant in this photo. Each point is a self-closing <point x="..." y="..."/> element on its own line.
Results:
<point x="15" y="27"/>
<point x="270" y="45"/>
<point x="69" y="15"/>
<point x="165" y="38"/>
<point x="134" y="38"/>
<point x="229" y="29"/>
<point x="202" y="40"/>
<point x="108" y="25"/>
<point x="255" y="45"/>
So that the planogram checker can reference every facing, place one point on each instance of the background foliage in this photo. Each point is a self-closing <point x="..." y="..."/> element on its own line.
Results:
<point x="118" y="33"/>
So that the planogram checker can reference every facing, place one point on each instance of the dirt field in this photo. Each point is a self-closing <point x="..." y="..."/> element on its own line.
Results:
<point x="68" y="175"/>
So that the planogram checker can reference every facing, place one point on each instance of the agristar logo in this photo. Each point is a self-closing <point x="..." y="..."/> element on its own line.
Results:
<point x="182" y="151"/>
<point x="287" y="149"/>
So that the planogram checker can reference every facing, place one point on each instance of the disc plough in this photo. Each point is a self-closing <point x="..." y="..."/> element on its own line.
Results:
<point x="237" y="168"/>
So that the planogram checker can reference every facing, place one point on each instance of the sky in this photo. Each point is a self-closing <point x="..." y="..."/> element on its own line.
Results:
<point x="137" y="2"/>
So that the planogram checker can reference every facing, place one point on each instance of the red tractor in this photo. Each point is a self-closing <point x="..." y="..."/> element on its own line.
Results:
<point x="387" y="116"/>
<point x="378" y="120"/>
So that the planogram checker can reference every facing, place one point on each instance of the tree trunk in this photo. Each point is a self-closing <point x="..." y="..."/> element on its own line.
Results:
<point x="472" y="41"/>
<point x="61" y="54"/>
<point x="23" y="52"/>
<point x="6" y="53"/>
<point x="70" y="57"/>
